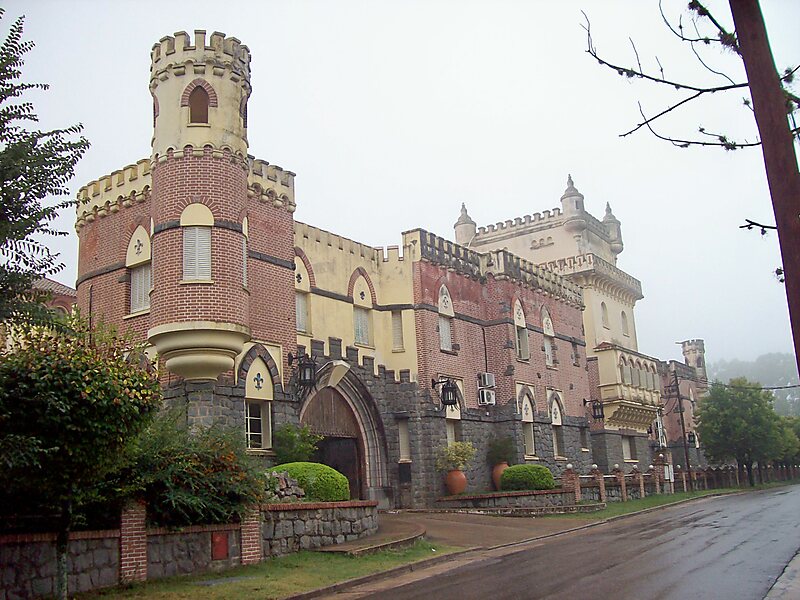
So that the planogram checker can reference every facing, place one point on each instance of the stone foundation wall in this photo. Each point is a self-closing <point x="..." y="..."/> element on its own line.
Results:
<point x="534" y="499"/>
<point x="287" y="528"/>
<point x="28" y="563"/>
<point x="190" y="551"/>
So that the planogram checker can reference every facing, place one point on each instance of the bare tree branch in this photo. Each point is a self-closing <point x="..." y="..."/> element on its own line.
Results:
<point x="681" y="143"/>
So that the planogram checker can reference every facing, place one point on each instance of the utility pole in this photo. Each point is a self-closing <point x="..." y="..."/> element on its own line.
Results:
<point x="683" y="430"/>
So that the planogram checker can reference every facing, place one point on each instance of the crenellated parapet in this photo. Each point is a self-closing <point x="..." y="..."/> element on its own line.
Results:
<point x="500" y="263"/>
<point x="181" y="55"/>
<point x="107" y="195"/>
<point x="546" y="217"/>
<point x="590" y="269"/>
<point x="303" y="231"/>
<point x="270" y="183"/>
<point x="125" y="187"/>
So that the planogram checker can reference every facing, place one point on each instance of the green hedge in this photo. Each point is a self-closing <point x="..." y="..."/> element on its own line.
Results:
<point x="527" y="477"/>
<point x="320" y="482"/>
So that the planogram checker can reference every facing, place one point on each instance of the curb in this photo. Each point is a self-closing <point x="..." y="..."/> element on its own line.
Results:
<point x="429" y="562"/>
<point x="399" y="542"/>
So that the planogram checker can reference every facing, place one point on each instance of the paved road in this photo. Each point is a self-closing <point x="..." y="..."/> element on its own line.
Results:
<point x="733" y="547"/>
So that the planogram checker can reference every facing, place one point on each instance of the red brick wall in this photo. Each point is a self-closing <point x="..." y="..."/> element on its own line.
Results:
<point x="133" y="544"/>
<point x="489" y="303"/>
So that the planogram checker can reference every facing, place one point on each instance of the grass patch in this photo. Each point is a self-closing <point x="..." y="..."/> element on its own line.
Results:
<point x="276" y="577"/>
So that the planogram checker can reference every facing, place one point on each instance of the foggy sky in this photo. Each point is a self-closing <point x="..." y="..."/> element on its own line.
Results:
<point x="394" y="113"/>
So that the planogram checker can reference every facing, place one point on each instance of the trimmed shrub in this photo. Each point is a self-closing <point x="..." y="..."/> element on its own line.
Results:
<point x="527" y="477"/>
<point x="320" y="482"/>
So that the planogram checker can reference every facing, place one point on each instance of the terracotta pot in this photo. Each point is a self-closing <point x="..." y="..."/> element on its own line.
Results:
<point x="455" y="481"/>
<point x="497" y="472"/>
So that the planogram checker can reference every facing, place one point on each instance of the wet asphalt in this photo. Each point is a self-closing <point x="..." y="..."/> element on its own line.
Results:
<point x="732" y="547"/>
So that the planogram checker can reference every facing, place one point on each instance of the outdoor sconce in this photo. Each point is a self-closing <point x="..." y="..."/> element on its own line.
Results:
<point x="304" y="374"/>
<point x="691" y="437"/>
<point x="597" y="409"/>
<point x="448" y="393"/>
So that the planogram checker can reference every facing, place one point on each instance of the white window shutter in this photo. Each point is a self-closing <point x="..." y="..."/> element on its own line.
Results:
<point x="301" y="309"/>
<point x="244" y="262"/>
<point x="141" y="282"/>
<point x="204" y="253"/>
<point x="397" y="330"/>
<point x="445" y="333"/>
<point x="190" y="253"/>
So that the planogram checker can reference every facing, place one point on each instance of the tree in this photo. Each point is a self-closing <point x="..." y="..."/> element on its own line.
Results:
<point x="771" y="101"/>
<point x="34" y="167"/>
<point x="736" y="421"/>
<point x="69" y="404"/>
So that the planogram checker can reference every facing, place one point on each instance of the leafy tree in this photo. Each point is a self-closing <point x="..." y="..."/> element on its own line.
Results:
<point x="34" y="167"/>
<point x="777" y="369"/>
<point x="70" y="404"/>
<point x="192" y="477"/>
<point x="736" y="421"/>
<point x="294" y="444"/>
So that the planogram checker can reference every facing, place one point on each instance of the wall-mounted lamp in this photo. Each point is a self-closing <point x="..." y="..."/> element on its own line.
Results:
<point x="448" y="393"/>
<point x="304" y="375"/>
<point x="598" y="414"/>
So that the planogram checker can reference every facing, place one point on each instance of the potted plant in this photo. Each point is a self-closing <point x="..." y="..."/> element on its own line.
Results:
<point x="500" y="453"/>
<point x="452" y="459"/>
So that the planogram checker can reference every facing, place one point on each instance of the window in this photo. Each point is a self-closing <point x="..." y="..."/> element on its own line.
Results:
<point x="301" y="311"/>
<point x="584" y="438"/>
<point x="604" y="314"/>
<point x="521" y="331"/>
<point x="453" y="416"/>
<point x="549" y="346"/>
<point x="137" y="259"/>
<point x="361" y="325"/>
<point x="445" y="333"/>
<point x="576" y="357"/>
<point x="244" y="252"/>
<point x="141" y="282"/>
<point x="405" y="446"/>
<point x="625" y="330"/>
<point x="397" y="330"/>
<point x="446" y="315"/>
<point x="257" y="406"/>
<point x="198" y="105"/>
<point x="196" y="253"/>
<point x="528" y="435"/>
<point x="628" y="447"/>
<point x="558" y="430"/>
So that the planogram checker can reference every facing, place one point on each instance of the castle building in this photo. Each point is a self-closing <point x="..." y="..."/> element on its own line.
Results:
<point x="195" y="250"/>
<point x="570" y="242"/>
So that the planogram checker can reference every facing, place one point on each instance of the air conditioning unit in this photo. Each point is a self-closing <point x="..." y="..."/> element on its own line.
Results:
<point x="486" y="397"/>
<point x="485" y="380"/>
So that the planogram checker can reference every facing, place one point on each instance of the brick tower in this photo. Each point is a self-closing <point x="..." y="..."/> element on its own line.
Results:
<point x="199" y="303"/>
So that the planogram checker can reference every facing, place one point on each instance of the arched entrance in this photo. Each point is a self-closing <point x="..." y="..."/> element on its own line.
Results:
<point x="328" y="414"/>
<point x="353" y="442"/>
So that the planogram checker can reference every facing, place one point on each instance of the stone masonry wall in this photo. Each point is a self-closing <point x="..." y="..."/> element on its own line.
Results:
<point x="181" y="553"/>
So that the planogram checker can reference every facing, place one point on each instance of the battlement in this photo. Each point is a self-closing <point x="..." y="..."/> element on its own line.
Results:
<point x="109" y="193"/>
<point x="320" y="236"/>
<point x="501" y="263"/>
<point x="176" y="52"/>
<point x="593" y="265"/>
<point x="270" y="183"/>
<point x="527" y="220"/>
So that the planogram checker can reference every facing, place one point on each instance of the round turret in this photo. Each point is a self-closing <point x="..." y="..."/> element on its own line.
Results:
<point x="465" y="227"/>
<point x="694" y="355"/>
<point x="200" y="93"/>
<point x="614" y="228"/>
<point x="572" y="207"/>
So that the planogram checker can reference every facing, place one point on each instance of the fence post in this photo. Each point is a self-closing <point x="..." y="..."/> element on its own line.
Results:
<point x="570" y="482"/>
<point x="252" y="550"/>
<point x="601" y="482"/>
<point x="620" y="475"/>
<point x="133" y="543"/>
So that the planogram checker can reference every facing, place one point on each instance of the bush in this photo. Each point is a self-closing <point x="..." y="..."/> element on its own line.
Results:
<point x="454" y="456"/>
<point x="294" y="444"/>
<point x="320" y="482"/>
<point x="527" y="477"/>
<point x="198" y="477"/>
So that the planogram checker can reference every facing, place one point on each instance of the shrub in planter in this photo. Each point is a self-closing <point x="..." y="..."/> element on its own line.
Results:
<point x="527" y="477"/>
<point x="320" y="482"/>
<point x="454" y="456"/>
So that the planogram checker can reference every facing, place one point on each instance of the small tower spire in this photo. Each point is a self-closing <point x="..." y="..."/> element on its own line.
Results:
<point x="465" y="227"/>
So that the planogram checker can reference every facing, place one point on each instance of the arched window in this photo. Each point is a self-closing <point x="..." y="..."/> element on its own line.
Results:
<point x="624" y="318"/>
<point x="258" y="406"/>
<point x="521" y="333"/>
<point x="198" y="105"/>
<point x="196" y="223"/>
<point x="549" y="339"/>
<point x="604" y="314"/>
<point x="245" y="233"/>
<point x="302" y="296"/>
<point x="446" y="315"/>
<point x="362" y="312"/>
<point x="137" y="260"/>
<point x="555" y="419"/>
<point x="529" y="437"/>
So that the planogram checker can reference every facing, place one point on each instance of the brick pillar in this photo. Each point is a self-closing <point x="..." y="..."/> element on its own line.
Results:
<point x="638" y="477"/>
<point x="133" y="543"/>
<point x="570" y="482"/>
<point x="620" y="475"/>
<point x="601" y="482"/>
<point x="659" y="472"/>
<point x="252" y="550"/>
<point x="656" y="481"/>
<point x="682" y="474"/>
